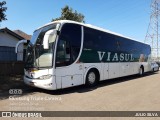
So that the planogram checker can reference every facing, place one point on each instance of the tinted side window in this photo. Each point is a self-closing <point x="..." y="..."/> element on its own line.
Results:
<point x="108" y="42"/>
<point x="98" y="40"/>
<point x="69" y="44"/>
<point x="90" y="38"/>
<point x="133" y="47"/>
<point x="94" y="41"/>
<point x="125" y="45"/>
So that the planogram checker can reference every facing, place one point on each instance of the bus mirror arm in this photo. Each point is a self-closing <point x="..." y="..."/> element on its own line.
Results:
<point x="20" y="42"/>
<point x="46" y="41"/>
<point x="45" y="44"/>
<point x="46" y="38"/>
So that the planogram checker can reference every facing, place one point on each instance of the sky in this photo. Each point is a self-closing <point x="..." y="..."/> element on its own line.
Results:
<point x="127" y="17"/>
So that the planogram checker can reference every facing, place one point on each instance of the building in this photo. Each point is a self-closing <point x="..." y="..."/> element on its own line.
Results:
<point x="8" y="41"/>
<point x="22" y="34"/>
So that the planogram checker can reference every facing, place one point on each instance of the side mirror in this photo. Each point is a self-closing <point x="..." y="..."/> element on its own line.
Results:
<point x="46" y="38"/>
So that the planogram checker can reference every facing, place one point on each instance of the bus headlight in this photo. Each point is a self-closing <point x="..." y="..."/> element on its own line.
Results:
<point x="45" y="77"/>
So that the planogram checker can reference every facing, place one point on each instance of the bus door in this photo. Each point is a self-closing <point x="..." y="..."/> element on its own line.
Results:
<point x="68" y="71"/>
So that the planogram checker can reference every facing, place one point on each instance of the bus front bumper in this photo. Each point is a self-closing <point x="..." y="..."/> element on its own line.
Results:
<point x="48" y="84"/>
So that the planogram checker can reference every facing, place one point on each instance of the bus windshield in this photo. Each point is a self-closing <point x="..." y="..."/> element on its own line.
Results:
<point x="36" y="55"/>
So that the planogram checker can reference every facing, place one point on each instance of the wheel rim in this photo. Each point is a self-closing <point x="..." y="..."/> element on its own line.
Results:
<point x="91" y="77"/>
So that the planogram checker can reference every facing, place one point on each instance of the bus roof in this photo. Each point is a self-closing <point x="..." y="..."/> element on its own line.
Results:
<point x="93" y="27"/>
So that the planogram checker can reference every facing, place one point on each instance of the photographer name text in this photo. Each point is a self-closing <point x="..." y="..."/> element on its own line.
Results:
<point x="34" y="98"/>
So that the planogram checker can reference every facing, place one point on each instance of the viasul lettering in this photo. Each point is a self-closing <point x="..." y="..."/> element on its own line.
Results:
<point x="115" y="57"/>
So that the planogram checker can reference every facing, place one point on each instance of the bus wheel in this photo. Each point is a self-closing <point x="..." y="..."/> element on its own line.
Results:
<point x="92" y="78"/>
<point x="141" y="71"/>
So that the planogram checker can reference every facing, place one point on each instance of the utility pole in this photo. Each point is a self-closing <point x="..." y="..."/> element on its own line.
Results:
<point x="153" y="33"/>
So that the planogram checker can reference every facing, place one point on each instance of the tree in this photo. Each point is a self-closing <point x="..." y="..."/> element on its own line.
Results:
<point x="67" y="13"/>
<point x="2" y="11"/>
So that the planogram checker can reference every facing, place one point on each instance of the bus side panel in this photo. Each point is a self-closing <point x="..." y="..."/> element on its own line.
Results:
<point x="128" y="68"/>
<point x="114" y="70"/>
<point x="69" y="76"/>
<point x="105" y="71"/>
<point x="124" y="69"/>
<point x="135" y="68"/>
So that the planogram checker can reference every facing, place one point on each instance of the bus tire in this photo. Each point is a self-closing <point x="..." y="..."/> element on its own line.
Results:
<point x="141" y="71"/>
<point x="92" y="78"/>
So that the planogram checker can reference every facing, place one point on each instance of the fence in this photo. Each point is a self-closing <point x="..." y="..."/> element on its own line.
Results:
<point x="8" y="62"/>
<point x="7" y="54"/>
<point x="12" y="68"/>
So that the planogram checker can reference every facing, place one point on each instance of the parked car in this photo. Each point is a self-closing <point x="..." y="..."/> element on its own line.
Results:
<point x="154" y="66"/>
<point x="158" y="62"/>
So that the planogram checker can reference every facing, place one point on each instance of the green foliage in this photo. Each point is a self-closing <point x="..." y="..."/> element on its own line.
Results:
<point x="2" y="11"/>
<point x="67" y="13"/>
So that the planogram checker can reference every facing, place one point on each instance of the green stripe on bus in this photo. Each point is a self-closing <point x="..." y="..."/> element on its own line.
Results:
<point x="93" y="56"/>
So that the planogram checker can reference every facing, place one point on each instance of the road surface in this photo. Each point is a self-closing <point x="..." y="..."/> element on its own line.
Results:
<point x="131" y="93"/>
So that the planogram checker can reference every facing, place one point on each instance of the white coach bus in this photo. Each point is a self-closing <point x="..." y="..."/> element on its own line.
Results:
<point x="64" y="53"/>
